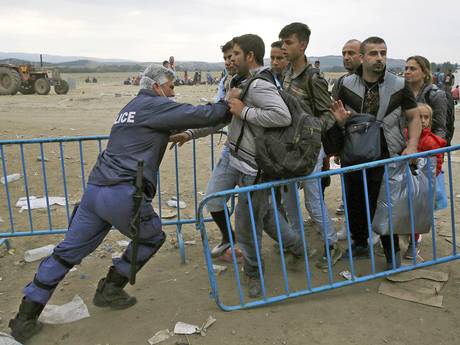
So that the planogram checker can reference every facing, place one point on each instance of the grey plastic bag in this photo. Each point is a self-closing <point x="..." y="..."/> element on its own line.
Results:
<point x="422" y="205"/>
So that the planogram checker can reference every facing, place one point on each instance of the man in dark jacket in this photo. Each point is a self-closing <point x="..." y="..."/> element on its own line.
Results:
<point x="375" y="91"/>
<point x="140" y="133"/>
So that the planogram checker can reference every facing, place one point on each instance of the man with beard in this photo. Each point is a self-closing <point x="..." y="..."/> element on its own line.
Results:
<point x="375" y="91"/>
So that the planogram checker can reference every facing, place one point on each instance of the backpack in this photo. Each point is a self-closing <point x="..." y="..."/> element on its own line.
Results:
<point x="450" y="115"/>
<point x="286" y="152"/>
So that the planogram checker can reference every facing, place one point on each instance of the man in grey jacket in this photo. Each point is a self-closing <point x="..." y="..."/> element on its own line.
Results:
<point x="261" y="107"/>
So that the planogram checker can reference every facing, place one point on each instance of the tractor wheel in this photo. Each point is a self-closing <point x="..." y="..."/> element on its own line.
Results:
<point x="61" y="87"/>
<point x="42" y="86"/>
<point x="9" y="81"/>
<point x="27" y="89"/>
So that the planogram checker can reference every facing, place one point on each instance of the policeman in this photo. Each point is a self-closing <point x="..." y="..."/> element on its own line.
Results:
<point x="139" y="133"/>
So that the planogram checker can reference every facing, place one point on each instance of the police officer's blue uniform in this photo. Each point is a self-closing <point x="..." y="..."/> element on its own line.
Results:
<point x="140" y="132"/>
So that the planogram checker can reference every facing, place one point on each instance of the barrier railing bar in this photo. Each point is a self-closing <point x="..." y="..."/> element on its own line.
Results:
<point x="26" y="187"/>
<point x="452" y="207"/>
<point x="7" y="190"/>
<point x="369" y="222"/>
<point x="45" y="185"/>
<point x="64" y="180"/>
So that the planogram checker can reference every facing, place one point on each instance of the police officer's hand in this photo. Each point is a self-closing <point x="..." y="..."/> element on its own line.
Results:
<point x="179" y="138"/>
<point x="341" y="115"/>
<point x="236" y="107"/>
<point x="234" y="93"/>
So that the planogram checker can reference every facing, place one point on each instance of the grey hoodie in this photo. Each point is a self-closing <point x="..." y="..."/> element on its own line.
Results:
<point x="264" y="108"/>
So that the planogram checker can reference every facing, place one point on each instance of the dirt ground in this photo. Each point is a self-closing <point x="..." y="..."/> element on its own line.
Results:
<point x="167" y="291"/>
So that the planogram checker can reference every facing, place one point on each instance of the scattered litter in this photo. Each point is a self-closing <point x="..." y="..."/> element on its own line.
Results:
<point x="346" y="274"/>
<point x="420" y="295"/>
<point x="69" y="312"/>
<point x="204" y="100"/>
<point x="6" y="339"/>
<point x="419" y="274"/>
<point x="39" y="159"/>
<point x="201" y="193"/>
<point x="36" y="203"/>
<point x="10" y="178"/>
<point x="166" y="213"/>
<point x="176" y="204"/>
<point x="185" y="328"/>
<point x="38" y="253"/>
<point x="335" y="219"/>
<point x="219" y="268"/>
<point x="160" y="336"/>
<point x="72" y="129"/>
<point x="207" y="324"/>
<point x="123" y="243"/>
<point x="458" y="196"/>
<point x="73" y="269"/>
<point x="190" y="243"/>
<point x="117" y="94"/>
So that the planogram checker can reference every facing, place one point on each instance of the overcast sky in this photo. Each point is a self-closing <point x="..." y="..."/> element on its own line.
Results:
<point x="152" y="30"/>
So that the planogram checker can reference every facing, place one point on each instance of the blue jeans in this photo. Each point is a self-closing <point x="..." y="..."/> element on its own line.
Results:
<point x="100" y="208"/>
<point x="312" y="198"/>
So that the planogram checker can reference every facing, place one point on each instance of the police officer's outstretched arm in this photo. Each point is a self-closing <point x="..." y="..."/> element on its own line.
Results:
<point x="176" y="116"/>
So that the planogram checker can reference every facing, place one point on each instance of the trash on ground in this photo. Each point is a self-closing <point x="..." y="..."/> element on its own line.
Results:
<point x="116" y="255"/>
<point x="38" y="253"/>
<point x="190" y="243"/>
<point x="69" y="312"/>
<point x="6" y="339"/>
<point x="185" y="328"/>
<point x="457" y="241"/>
<point x="204" y="100"/>
<point x="206" y="325"/>
<point x="39" y="159"/>
<point x="219" y="268"/>
<point x="160" y="336"/>
<point x="419" y="274"/>
<point x="419" y="295"/>
<point x="10" y="178"/>
<point x="123" y="243"/>
<point x="174" y="203"/>
<point x="346" y="274"/>
<point x="36" y="203"/>
<point x="165" y="213"/>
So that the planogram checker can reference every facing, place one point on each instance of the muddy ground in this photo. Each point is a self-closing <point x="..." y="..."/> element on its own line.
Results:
<point x="168" y="291"/>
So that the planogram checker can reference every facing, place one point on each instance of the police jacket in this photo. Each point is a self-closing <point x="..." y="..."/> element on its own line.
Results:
<point x="141" y="132"/>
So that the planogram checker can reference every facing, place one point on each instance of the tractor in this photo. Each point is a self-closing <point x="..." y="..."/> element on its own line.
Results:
<point x="29" y="80"/>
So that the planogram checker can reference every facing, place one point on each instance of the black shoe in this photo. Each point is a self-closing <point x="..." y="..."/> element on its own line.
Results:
<point x="25" y="324"/>
<point x="110" y="293"/>
<point x="389" y="265"/>
<point x="358" y="252"/>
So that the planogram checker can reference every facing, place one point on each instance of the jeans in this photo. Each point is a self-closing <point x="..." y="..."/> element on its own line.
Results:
<point x="312" y="198"/>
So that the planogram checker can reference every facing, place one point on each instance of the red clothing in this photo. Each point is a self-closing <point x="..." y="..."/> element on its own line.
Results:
<point x="429" y="141"/>
<point x="455" y="93"/>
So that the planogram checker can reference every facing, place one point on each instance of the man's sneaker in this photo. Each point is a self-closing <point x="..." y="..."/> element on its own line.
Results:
<point x="220" y="249"/>
<point x="335" y="254"/>
<point x="254" y="287"/>
<point x="228" y="257"/>
<point x="340" y="210"/>
<point x="409" y="254"/>
<point x="358" y="252"/>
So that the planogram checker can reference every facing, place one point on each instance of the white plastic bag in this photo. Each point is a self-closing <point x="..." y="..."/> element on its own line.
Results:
<point x="399" y="198"/>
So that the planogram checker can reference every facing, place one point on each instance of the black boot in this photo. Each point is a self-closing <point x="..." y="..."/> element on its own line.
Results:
<point x="25" y="324"/>
<point x="110" y="293"/>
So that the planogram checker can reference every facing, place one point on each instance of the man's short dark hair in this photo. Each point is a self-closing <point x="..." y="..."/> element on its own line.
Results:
<point x="165" y="62"/>
<point x="370" y="40"/>
<point x="277" y="44"/>
<point x="301" y="30"/>
<point x="227" y="46"/>
<point x="317" y="61"/>
<point x="251" y="43"/>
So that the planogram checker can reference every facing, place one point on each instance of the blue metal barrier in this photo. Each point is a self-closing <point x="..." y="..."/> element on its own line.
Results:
<point x="58" y="166"/>
<point x="312" y="279"/>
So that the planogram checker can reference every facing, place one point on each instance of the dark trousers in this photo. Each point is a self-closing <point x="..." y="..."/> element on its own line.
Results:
<point x="357" y="212"/>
